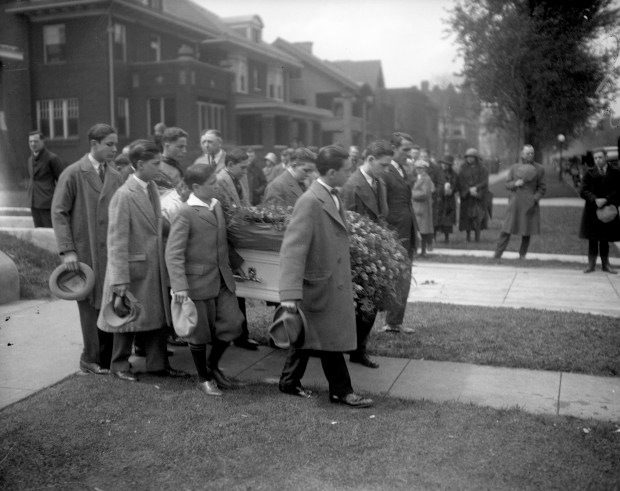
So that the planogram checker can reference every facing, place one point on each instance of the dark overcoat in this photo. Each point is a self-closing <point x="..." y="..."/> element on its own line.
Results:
<point x="284" y="190"/>
<point x="400" y="211"/>
<point x="80" y="217"/>
<point x="473" y="209"/>
<point x="523" y="213"/>
<point x="447" y="217"/>
<point x="594" y="186"/>
<point x="136" y="256"/>
<point x="359" y="197"/>
<point x="315" y="268"/>
<point x="43" y="172"/>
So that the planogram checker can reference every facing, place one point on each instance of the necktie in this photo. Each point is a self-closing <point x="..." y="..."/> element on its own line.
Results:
<point x="102" y="172"/>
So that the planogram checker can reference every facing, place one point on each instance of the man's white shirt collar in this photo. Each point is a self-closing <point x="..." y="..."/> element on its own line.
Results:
<point x="143" y="184"/>
<point x="397" y="167"/>
<point x="94" y="161"/>
<point x="369" y="179"/>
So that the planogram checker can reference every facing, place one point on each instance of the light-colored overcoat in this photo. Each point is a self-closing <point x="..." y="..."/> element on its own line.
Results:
<point x="80" y="217"/>
<point x="523" y="212"/>
<point x="315" y="268"/>
<point x="422" y="201"/>
<point x="284" y="190"/>
<point x="359" y="197"/>
<point x="136" y="256"/>
<point x="226" y="184"/>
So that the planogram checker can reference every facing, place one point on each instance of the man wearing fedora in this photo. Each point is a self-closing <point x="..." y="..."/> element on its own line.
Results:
<point x="136" y="264"/>
<point x="315" y="277"/>
<point x="80" y="220"/>
<point x="199" y="266"/>
<point x="365" y="193"/>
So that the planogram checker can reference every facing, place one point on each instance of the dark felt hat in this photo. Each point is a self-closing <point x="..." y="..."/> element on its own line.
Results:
<point x="288" y="329"/>
<point x="72" y="285"/>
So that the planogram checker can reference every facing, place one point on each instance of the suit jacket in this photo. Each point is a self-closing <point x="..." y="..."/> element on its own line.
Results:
<point x="284" y="190"/>
<point x="400" y="215"/>
<point x="136" y="256"/>
<point x="227" y="186"/>
<point x="80" y="216"/>
<point x="219" y="163"/>
<point x="315" y="267"/>
<point x="197" y="252"/>
<point x="359" y="197"/>
<point x="596" y="186"/>
<point x="43" y="172"/>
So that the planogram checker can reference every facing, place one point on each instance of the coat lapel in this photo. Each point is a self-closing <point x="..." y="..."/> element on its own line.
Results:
<point x="205" y="214"/>
<point x="90" y="175"/>
<point x="366" y="193"/>
<point x="293" y="185"/>
<point x="328" y="203"/>
<point x="143" y="202"/>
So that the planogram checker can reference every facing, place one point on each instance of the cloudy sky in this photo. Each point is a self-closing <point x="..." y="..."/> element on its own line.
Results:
<point x="408" y="36"/>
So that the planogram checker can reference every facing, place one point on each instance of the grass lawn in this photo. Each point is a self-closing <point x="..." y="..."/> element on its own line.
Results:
<point x="162" y="434"/>
<point x="559" y="234"/>
<point x="34" y="265"/>
<point x="518" y="338"/>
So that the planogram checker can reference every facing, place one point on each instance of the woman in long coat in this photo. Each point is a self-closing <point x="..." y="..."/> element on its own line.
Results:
<point x="473" y="184"/>
<point x="422" y="201"/>
<point x="447" y="216"/>
<point x="600" y="187"/>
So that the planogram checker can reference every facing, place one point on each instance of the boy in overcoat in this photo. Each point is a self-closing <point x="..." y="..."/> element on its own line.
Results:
<point x="80" y="220"/>
<point x="136" y="264"/>
<point x="315" y="276"/>
<point x="365" y="193"/>
<point x="197" y="258"/>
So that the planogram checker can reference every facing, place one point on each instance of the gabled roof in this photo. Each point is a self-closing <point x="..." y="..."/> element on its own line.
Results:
<point x="363" y="72"/>
<point x="244" y="19"/>
<point x="308" y="58"/>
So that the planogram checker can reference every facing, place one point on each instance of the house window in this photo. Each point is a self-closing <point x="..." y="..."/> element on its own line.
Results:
<point x="211" y="116"/>
<point x="240" y="67"/>
<point x="155" y="46"/>
<point x="122" y="116"/>
<point x="161" y="109"/>
<point x="120" y="43"/>
<point x="275" y="80"/>
<point x="54" y="43"/>
<point x="58" y="118"/>
<point x="255" y="78"/>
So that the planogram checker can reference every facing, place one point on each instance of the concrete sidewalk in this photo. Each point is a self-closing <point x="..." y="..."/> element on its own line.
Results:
<point x="41" y="344"/>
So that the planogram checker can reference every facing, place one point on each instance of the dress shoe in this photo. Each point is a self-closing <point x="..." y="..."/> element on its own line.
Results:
<point x="93" y="368"/>
<point x="169" y="372"/>
<point x="608" y="269"/>
<point x="125" y="375"/>
<point x="223" y="382"/>
<point x="176" y="341"/>
<point x="209" y="387"/>
<point x="397" y="329"/>
<point x="298" y="391"/>
<point x="352" y="399"/>
<point x="246" y="343"/>
<point x="589" y="269"/>
<point x="363" y="360"/>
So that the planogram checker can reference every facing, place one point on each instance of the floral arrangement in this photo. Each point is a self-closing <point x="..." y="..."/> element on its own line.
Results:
<point x="377" y="258"/>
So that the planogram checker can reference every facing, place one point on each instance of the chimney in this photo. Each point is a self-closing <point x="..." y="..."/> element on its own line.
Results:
<point x="306" y="46"/>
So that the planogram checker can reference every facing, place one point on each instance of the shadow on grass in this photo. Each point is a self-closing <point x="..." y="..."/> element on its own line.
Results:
<point x="102" y="433"/>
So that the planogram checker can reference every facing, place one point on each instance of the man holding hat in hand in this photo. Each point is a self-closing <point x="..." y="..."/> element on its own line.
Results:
<point x="80" y="220"/>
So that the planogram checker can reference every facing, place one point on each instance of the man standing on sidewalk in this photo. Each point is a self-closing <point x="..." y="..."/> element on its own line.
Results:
<point x="365" y="193"/>
<point x="80" y="219"/>
<point x="526" y="181"/>
<point x="402" y="219"/>
<point x="44" y="168"/>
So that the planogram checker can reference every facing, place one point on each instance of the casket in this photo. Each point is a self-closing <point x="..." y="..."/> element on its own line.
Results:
<point x="261" y="275"/>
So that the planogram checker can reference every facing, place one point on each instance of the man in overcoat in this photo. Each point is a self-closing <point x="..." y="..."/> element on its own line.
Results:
<point x="473" y="185"/>
<point x="365" y="193"/>
<point x="233" y="183"/>
<point x="402" y="219"/>
<point x="315" y="276"/>
<point x="286" y="189"/>
<point x="80" y="219"/>
<point x="44" y="169"/>
<point x="526" y="182"/>
<point x="136" y="264"/>
<point x="600" y="187"/>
